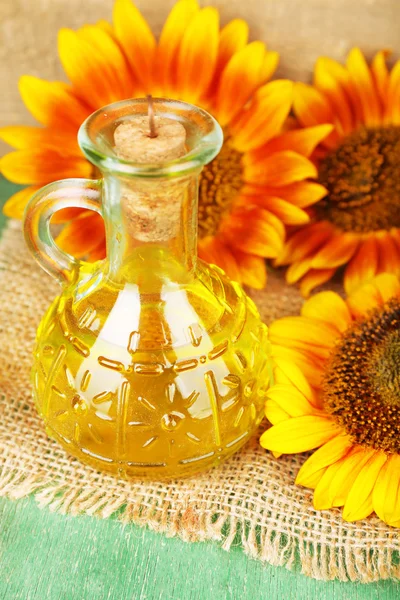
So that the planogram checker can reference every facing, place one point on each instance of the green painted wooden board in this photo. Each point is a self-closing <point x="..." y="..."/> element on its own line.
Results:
<point x="47" y="556"/>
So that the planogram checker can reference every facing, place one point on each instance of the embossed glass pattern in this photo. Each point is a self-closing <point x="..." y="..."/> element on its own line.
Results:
<point x="150" y="363"/>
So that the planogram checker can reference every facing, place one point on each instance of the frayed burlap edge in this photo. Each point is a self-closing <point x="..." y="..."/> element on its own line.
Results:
<point x="249" y="501"/>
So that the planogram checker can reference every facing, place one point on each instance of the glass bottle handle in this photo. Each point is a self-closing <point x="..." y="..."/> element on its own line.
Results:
<point x="68" y="193"/>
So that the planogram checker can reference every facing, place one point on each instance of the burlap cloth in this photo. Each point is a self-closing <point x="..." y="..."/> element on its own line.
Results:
<point x="250" y="500"/>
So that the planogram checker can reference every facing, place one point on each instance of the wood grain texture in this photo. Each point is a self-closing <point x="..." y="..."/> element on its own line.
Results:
<point x="46" y="556"/>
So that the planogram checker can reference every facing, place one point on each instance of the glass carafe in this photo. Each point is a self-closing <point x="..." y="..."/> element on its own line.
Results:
<point x="150" y="363"/>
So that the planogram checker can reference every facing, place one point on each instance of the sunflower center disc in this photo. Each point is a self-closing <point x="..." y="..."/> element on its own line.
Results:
<point x="220" y="181"/>
<point x="362" y="176"/>
<point x="362" y="382"/>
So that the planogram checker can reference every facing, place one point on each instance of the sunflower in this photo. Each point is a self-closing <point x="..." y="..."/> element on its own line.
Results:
<point x="259" y="182"/>
<point x="337" y="388"/>
<point x="357" y="224"/>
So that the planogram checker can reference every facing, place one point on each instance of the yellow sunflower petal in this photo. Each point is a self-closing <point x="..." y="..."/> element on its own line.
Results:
<point x="275" y="413"/>
<point x="52" y="103"/>
<point x="279" y="169"/>
<point x="252" y="269"/>
<point x="336" y="252"/>
<point x="303" y="141"/>
<point x="240" y="78"/>
<point x="363" y="299"/>
<point x="42" y="166"/>
<point x="345" y="476"/>
<point x="213" y="250"/>
<point x="170" y="39"/>
<point x="198" y="54"/>
<point x="314" y="278"/>
<point x="302" y="332"/>
<point x="329" y="307"/>
<point x="358" y="504"/>
<point x="326" y="455"/>
<point x="388" y="286"/>
<point x="299" y="434"/>
<point x="311" y="368"/>
<point x="290" y="399"/>
<point x="363" y="266"/>
<point x="363" y="83"/>
<point x="24" y="137"/>
<point x="16" y="204"/>
<point x="82" y="235"/>
<point x="321" y="499"/>
<point x="137" y="40"/>
<point x="386" y="493"/>
<point x="287" y="372"/>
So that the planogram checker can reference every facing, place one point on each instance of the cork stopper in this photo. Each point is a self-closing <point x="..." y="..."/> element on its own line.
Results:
<point x="151" y="208"/>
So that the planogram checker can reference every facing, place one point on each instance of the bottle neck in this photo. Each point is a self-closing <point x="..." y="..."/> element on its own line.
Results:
<point x="151" y="227"/>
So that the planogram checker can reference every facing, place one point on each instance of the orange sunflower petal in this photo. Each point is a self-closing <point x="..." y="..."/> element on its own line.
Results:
<point x="271" y="113"/>
<point x="279" y="169"/>
<point x="95" y="65"/>
<point x="252" y="269"/>
<point x="388" y="286"/>
<point x="336" y="252"/>
<point x="305" y="242"/>
<point x="82" y="235"/>
<point x="253" y="230"/>
<point x="198" y="54"/>
<point x="213" y="250"/>
<point x="312" y="108"/>
<point x="24" y="137"/>
<point x="363" y="266"/>
<point x="299" y="193"/>
<point x="329" y="307"/>
<point x="380" y="73"/>
<point x="233" y="37"/>
<point x="52" y="103"/>
<point x="299" y="434"/>
<point x="303" y="141"/>
<point x="388" y="254"/>
<point x="137" y="40"/>
<point x="16" y="204"/>
<point x="42" y="166"/>
<point x="297" y="270"/>
<point x="313" y="279"/>
<point x="328" y="79"/>
<point x="393" y="105"/>
<point x="240" y="78"/>
<point x="364" y="85"/>
<point x="358" y="503"/>
<point x="288" y="213"/>
<point x="170" y="39"/>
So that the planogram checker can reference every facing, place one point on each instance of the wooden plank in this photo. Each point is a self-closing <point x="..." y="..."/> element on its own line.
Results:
<point x="48" y="556"/>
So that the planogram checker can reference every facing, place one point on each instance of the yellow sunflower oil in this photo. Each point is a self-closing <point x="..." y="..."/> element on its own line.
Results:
<point x="151" y="363"/>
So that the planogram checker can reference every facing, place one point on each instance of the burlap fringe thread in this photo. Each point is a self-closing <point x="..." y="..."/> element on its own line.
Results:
<point x="251" y="500"/>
